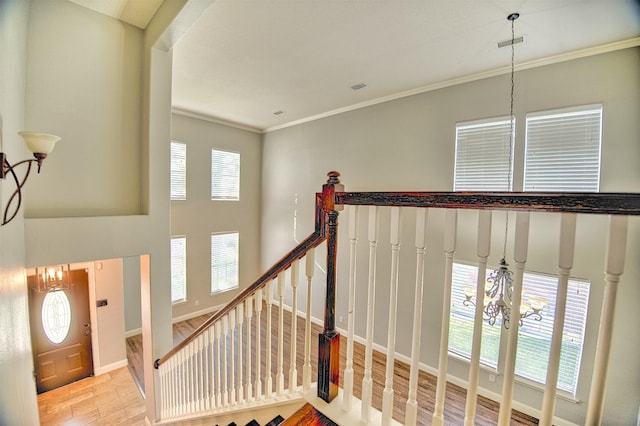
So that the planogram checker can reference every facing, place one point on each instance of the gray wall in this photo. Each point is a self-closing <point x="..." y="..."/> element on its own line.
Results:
<point x="198" y="216"/>
<point x="409" y="144"/>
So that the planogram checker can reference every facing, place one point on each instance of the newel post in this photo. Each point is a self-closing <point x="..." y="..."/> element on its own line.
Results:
<point x="329" y="339"/>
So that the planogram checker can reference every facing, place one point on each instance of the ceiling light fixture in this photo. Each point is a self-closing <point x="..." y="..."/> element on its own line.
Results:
<point x="497" y="299"/>
<point x="41" y="145"/>
<point x="53" y="278"/>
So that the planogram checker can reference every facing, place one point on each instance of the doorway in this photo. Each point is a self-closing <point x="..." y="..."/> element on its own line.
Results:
<point x="61" y="332"/>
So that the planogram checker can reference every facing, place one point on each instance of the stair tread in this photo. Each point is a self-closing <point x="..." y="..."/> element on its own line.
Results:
<point x="308" y="415"/>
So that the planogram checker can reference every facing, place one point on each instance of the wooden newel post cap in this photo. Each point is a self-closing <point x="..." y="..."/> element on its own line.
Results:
<point x="334" y="177"/>
<point x="334" y="183"/>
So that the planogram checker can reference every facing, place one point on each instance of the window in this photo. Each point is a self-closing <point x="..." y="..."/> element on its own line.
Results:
<point x="224" y="261"/>
<point x="563" y="150"/>
<point x="483" y="156"/>
<point x="178" y="269"/>
<point x="178" y="171"/>
<point x="225" y="175"/>
<point x="534" y="339"/>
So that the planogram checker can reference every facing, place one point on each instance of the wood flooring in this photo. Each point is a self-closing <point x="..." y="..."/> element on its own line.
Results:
<point x="486" y="413"/>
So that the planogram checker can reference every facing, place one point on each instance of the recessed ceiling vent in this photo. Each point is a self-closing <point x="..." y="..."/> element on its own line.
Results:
<point x="278" y="112"/>
<point x="358" y="86"/>
<point x="509" y="42"/>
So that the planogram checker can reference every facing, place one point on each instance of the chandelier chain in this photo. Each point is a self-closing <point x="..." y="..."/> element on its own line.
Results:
<point x="511" y="132"/>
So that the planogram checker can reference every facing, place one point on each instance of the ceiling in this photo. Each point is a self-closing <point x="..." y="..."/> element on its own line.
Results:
<point x="243" y="61"/>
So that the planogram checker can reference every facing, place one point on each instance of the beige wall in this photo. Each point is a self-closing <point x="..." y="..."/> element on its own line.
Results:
<point x="18" y="404"/>
<point x="198" y="216"/>
<point x="409" y="144"/>
<point x="95" y="168"/>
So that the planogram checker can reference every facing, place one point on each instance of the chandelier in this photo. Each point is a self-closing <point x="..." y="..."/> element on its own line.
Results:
<point x="53" y="278"/>
<point x="497" y="298"/>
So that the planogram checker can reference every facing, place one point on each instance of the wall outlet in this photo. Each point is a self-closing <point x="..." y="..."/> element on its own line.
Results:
<point x="492" y="378"/>
<point x="341" y="319"/>
<point x="197" y="302"/>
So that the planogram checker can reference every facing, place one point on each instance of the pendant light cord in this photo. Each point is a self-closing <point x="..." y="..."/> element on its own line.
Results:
<point x="512" y="18"/>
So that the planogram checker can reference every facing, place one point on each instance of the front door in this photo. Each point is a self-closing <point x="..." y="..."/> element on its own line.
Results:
<point x="61" y="332"/>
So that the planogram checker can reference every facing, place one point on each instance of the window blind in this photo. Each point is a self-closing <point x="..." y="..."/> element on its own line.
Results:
<point x="225" y="175"/>
<point x="483" y="157"/>
<point x="224" y="261"/>
<point x="178" y="171"/>
<point x="563" y="151"/>
<point x="178" y="269"/>
<point x="534" y="340"/>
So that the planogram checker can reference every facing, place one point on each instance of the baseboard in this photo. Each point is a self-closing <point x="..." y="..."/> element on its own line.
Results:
<point x="197" y="313"/>
<point x="132" y="333"/>
<point x="174" y="320"/>
<point x="110" y="367"/>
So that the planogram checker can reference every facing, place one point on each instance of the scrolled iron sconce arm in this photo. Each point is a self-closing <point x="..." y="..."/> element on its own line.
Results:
<point x="41" y="144"/>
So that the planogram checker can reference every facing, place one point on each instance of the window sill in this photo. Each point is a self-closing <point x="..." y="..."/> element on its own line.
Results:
<point x="225" y="290"/>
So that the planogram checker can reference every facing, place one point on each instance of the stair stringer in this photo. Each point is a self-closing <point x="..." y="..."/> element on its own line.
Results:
<point x="262" y="411"/>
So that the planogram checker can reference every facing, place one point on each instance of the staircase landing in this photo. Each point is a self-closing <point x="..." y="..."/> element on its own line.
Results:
<point x="308" y="416"/>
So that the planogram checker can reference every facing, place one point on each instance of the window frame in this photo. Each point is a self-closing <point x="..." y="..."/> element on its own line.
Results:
<point x="215" y="288"/>
<point x="528" y="327"/>
<point x="562" y="121"/>
<point x="219" y="179"/>
<point x="183" y="269"/>
<point x="180" y="194"/>
<point x="499" y="152"/>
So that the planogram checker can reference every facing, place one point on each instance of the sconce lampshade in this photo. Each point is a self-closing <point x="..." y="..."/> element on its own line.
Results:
<point x="39" y="143"/>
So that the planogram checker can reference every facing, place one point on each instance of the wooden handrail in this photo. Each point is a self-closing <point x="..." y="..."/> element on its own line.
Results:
<point x="312" y="241"/>
<point x="595" y="203"/>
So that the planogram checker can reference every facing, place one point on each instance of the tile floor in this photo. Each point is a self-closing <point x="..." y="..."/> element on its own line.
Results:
<point x="109" y="399"/>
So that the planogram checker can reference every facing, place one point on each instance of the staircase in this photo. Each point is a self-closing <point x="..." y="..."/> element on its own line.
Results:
<point x="227" y="368"/>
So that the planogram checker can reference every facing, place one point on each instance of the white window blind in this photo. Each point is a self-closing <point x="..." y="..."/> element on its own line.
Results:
<point x="483" y="157"/>
<point x="178" y="269"/>
<point x="461" y="326"/>
<point x="224" y="261"/>
<point x="178" y="171"/>
<point x="534" y="338"/>
<point x="225" y="175"/>
<point x="563" y="151"/>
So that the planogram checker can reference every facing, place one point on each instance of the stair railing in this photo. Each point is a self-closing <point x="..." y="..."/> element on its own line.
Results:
<point x="203" y="375"/>
<point x="569" y="206"/>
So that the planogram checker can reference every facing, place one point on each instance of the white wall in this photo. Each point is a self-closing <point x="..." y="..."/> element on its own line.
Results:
<point x="198" y="216"/>
<point x="409" y="144"/>
<point x="18" y="403"/>
<point x="110" y="318"/>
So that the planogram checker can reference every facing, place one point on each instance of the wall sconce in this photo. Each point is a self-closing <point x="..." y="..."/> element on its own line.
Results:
<point x="41" y="144"/>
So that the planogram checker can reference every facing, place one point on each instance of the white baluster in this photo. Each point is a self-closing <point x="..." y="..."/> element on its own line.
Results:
<point x="258" y="344"/>
<point x="212" y="372"/>
<point x="293" y="369"/>
<point x="565" y="263"/>
<point x="450" y="230"/>
<point x="411" y="412"/>
<point x="240" y="312"/>
<point x="520" y="258"/>
<point x="191" y="379"/>
<point x="180" y="356"/>
<point x="306" y="369"/>
<point x="232" y="358"/>
<point x="201" y="373"/>
<point x="269" y="377"/>
<point x="249" y="313"/>
<point x="280" y="362"/>
<point x="387" y="394"/>
<point x="347" y="400"/>
<point x="482" y="251"/>
<point x="225" y="364"/>
<point x="615" y="258"/>
<point x="218" y="372"/>
<point x="206" y="392"/>
<point x="367" y="380"/>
